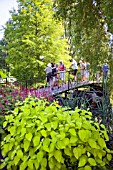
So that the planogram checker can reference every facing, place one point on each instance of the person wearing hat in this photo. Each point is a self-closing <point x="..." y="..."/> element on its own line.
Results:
<point x="48" y="71"/>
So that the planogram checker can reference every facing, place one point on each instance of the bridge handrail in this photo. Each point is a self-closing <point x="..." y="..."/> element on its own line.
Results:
<point x="27" y="82"/>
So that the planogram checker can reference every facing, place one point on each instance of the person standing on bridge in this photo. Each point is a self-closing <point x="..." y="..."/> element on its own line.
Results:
<point x="74" y="68"/>
<point x="86" y="73"/>
<point x="54" y="75"/>
<point x="62" y="70"/>
<point x="105" y="69"/>
<point x="48" y="71"/>
<point x="82" y="70"/>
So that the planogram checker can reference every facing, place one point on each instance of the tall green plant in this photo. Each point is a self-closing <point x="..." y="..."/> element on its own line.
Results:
<point x="88" y="27"/>
<point x="33" y="32"/>
<point x="48" y="137"/>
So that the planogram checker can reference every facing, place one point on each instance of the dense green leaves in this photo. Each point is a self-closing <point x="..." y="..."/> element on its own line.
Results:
<point x="88" y="27"/>
<point x="47" y="137"/>
<point x="33" y="32"/>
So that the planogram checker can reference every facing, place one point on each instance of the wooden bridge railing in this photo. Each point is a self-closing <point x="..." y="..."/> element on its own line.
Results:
<point x="35" y="81"/>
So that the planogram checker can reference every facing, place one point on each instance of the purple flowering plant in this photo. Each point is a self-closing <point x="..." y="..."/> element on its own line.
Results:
<point x="9" y="96"/>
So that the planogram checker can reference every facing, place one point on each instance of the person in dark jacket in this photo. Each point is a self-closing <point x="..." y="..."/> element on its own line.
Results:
<point x="54" y="74"/>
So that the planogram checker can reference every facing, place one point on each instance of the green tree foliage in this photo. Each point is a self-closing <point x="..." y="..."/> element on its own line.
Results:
<point x="33" y="32"/>
<point x="2" y="55"/>
<point x="88" y="26"/>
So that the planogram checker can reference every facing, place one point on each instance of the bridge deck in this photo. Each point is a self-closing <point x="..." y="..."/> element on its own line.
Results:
<point x="65" y="87"/>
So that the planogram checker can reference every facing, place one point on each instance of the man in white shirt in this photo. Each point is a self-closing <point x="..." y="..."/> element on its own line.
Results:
<point x="74" y="68"/>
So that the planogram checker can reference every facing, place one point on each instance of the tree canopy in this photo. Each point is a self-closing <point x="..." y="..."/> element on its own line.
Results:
<point x="33" y="32"/>
<point x="88" y="27"/>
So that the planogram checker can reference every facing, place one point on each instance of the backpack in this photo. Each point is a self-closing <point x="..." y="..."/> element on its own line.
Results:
<point x="54" y="71"/>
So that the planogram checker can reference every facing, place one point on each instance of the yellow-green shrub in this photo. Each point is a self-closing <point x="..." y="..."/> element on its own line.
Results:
<point x="47" y="137"/>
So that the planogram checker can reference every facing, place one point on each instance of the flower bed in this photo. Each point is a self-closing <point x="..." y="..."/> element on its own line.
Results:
<point x="9" y="96"/>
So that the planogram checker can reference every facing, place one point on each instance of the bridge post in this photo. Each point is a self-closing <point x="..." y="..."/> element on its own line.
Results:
<point x="68" y="79"/>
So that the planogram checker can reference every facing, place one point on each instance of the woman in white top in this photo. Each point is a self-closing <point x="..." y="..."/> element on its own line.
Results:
<point x="74" y="68"/>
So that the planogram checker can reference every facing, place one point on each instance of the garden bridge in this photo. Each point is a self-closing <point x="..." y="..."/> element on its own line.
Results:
<point x="90" y="94"/>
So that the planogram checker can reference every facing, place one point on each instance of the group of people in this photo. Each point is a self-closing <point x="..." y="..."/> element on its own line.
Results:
<point x="84" y="69"/>
<point x="54" y="72"/>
